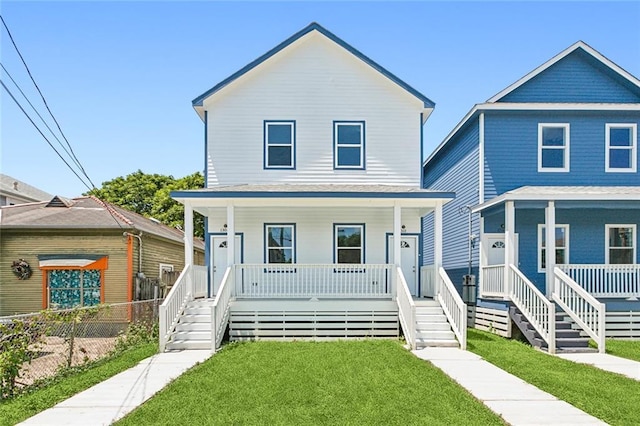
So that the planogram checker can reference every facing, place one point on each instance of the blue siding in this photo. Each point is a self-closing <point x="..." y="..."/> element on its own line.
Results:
<point x="511" y="150"/>
<point x="457" y="149"/>
<point x="576" y="78"/>
<point x="586" y="233"/>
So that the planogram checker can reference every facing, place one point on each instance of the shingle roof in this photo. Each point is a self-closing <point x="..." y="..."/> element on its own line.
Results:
<point x="84" y="213"/>
<point x="14" y="187"/>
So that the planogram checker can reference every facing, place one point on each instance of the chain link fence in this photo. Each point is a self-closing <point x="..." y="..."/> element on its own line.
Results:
<point x="34" y="347"/>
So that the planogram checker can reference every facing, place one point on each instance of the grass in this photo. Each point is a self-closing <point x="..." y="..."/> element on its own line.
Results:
<point x="304" y="383"/>
<point x="607" y="396"/>
<point x="624" y="348"/>
<point x="23" y="406"/>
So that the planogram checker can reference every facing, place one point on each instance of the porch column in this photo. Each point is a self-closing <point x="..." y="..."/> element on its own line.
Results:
<point x="231" y="232"/>
<point x="509" y="240"/>
<point x="437" y="236"/>
<point x="397" y="234"/>
<point x="188" y="234"/>
<point x="550" y="246"/>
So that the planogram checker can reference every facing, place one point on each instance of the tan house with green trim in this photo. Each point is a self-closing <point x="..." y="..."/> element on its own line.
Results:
<point x="83" y="251"/>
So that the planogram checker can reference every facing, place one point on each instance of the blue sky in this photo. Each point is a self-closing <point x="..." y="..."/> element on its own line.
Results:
<point x="120" y="76"/>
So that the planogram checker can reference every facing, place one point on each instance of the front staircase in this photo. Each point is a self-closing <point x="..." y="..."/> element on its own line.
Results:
<point x="432" y="327"/>
<point x="568" y="339"/>
<point x="193" y="330"/>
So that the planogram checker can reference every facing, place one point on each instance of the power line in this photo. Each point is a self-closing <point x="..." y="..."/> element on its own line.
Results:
<point x="73" y="155"/>
<point x="42" y="134"/>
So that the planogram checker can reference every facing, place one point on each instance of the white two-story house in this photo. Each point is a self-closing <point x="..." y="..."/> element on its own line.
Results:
<point x="313" y="163"/>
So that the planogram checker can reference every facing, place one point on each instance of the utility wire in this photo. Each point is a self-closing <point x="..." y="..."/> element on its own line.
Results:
<point x="42" y="134"/>
<point x="40" y="116"/>
<point x="45" y="104"/>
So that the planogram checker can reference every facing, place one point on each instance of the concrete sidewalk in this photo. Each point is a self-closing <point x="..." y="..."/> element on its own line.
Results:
<point x="518" y="402"/>
<point x="112" y="399"/>
<point x="615" y="364"/>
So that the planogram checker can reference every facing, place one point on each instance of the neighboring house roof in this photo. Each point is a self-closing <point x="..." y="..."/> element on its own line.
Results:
<point x="565" y="193"/>
<point x="88" y="213"/>
<point x="14" y="188"/>
<point x="198" y="102"/>
<point x="494" y="102"/>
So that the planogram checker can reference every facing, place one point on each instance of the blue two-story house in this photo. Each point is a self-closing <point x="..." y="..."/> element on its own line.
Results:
<point x="547" y="205"/>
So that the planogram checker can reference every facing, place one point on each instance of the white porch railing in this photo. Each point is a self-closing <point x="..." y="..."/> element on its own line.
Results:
<point x="492" y="282"/>
<point x="173" y="305"/>
<point x="453" y="306"/>
<point x="535" y="306"/>
<point x="406" y="309"/>
<point x="220" y="308"/>
<point x="606" y="280"/>
<point x="428" y="280"/>
<point x="582" y="307"/>
<point x="199" y="281"/>
<point x="309" y="280"/>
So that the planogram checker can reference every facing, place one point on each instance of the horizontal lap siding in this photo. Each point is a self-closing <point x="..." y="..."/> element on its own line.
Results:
<point x="314" y="83"/>
<point x="156" y="251"/>
<point x="314" y="230"/>
<point x="24" y="296"/>
<point x="511" y="150"/>
<point x="576" y="78"/>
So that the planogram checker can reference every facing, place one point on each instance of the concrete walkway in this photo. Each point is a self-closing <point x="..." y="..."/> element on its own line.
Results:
<point x="615" y="364"/>
<point x="112" y="399"/>
<point x="518" y="402"/>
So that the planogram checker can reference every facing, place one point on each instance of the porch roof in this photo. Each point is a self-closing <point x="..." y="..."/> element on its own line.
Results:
<point x="564" y="193"/>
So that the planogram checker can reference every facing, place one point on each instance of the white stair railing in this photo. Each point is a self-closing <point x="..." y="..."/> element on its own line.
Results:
<point x="173" y="305"/>
<point x="492" y="282"/>
<point x="220" y="308"/>
<point x="453" y="306"/>
<point x="428" y="280"/>
<point x="199" y="281"/>
<point x="539" y="311"/>
<point x="582" y="307"/>
<point x="406" y="309"/>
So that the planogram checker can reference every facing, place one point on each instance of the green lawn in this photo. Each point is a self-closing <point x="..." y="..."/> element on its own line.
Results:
<point x="26" y="405"/>
<point x="608" y="396"/>
<point x="624" y="348"/>
<point x="344" y="382"/>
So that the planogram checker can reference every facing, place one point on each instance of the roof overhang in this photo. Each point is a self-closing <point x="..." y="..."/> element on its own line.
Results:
<point x="564" y="193"/>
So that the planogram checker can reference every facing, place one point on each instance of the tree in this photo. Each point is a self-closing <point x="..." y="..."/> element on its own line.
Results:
<point x="148" y="195"/>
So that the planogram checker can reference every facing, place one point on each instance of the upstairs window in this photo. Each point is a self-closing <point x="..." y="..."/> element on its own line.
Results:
<point x="621" y="147"/>
<point x="279" y="144"/>
<point x="280" y="243"/>
<point x="348" y="141"/>
<point x="620" y="244"/>
<point x="553" y="147"/>
<point x="349" y="243"/>
<point x="562" y="246"/>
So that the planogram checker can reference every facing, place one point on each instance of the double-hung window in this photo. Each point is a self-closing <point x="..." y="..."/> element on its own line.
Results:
<point x="621" y="147"/>
<point x="562" y="246"/>
<point x="620" y="244"/>
<point x="348" y="143"/>
<point x="553" y="147"/>
<point x="280" y="243"/>
<point x="349" y="243"/>
<point x="279" y="144"/>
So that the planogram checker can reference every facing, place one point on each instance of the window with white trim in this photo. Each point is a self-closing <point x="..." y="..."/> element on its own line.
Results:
<point x="349" y="243"/>
<point x="279" y="144"/>
<point x="279" y="243"/>
<point x="553" y="147"/>
<point x="620" y="244"/>
<point x="562" y="246"/>
<point x="348" y="141"/>
<point x="621" y="147"/>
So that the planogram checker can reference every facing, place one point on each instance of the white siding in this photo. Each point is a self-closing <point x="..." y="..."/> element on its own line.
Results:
<point x="314" y="82"/>
<point x="314" y="230"/>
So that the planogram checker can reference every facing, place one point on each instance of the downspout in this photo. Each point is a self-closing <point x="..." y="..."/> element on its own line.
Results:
<point x="129" y="234"/>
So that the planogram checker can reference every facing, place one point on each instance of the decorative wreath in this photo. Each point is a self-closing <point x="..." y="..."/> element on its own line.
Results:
<point x="21" y="269"/>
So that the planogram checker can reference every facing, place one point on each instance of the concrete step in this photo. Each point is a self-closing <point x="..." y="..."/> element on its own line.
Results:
<point x="188" y="344"/>
<point x="435" y="335"/>
<point x="423" y="343"/>
<point x="192" y="335"/>
<point x="578" y="342"/>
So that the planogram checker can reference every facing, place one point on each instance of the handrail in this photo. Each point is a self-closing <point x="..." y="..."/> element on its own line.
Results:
<point x="406" y="309"/>
<point x="453" y="306"/>
<point x="492" y="282"/>
<point x="606" y="280"/>
<point x="534" y="306"/>
<point x="428" y="280"/>
<point x="220" y="308"/>
<point x="581" y="306"/>
<point x="199" y="281"/>
<point x="173" y="305"/>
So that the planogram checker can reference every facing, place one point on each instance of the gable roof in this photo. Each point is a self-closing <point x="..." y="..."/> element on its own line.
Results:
<point x="198" y="102"/>
<point x="16" y="188"/>
<point x="574" y="47"/>
<point x="88" y="213"/>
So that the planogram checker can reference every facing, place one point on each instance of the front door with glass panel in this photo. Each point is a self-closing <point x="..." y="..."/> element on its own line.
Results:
<point x="218" y="262"/>
<point x="493" y="246"/>
<point x="409" y="260"/>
